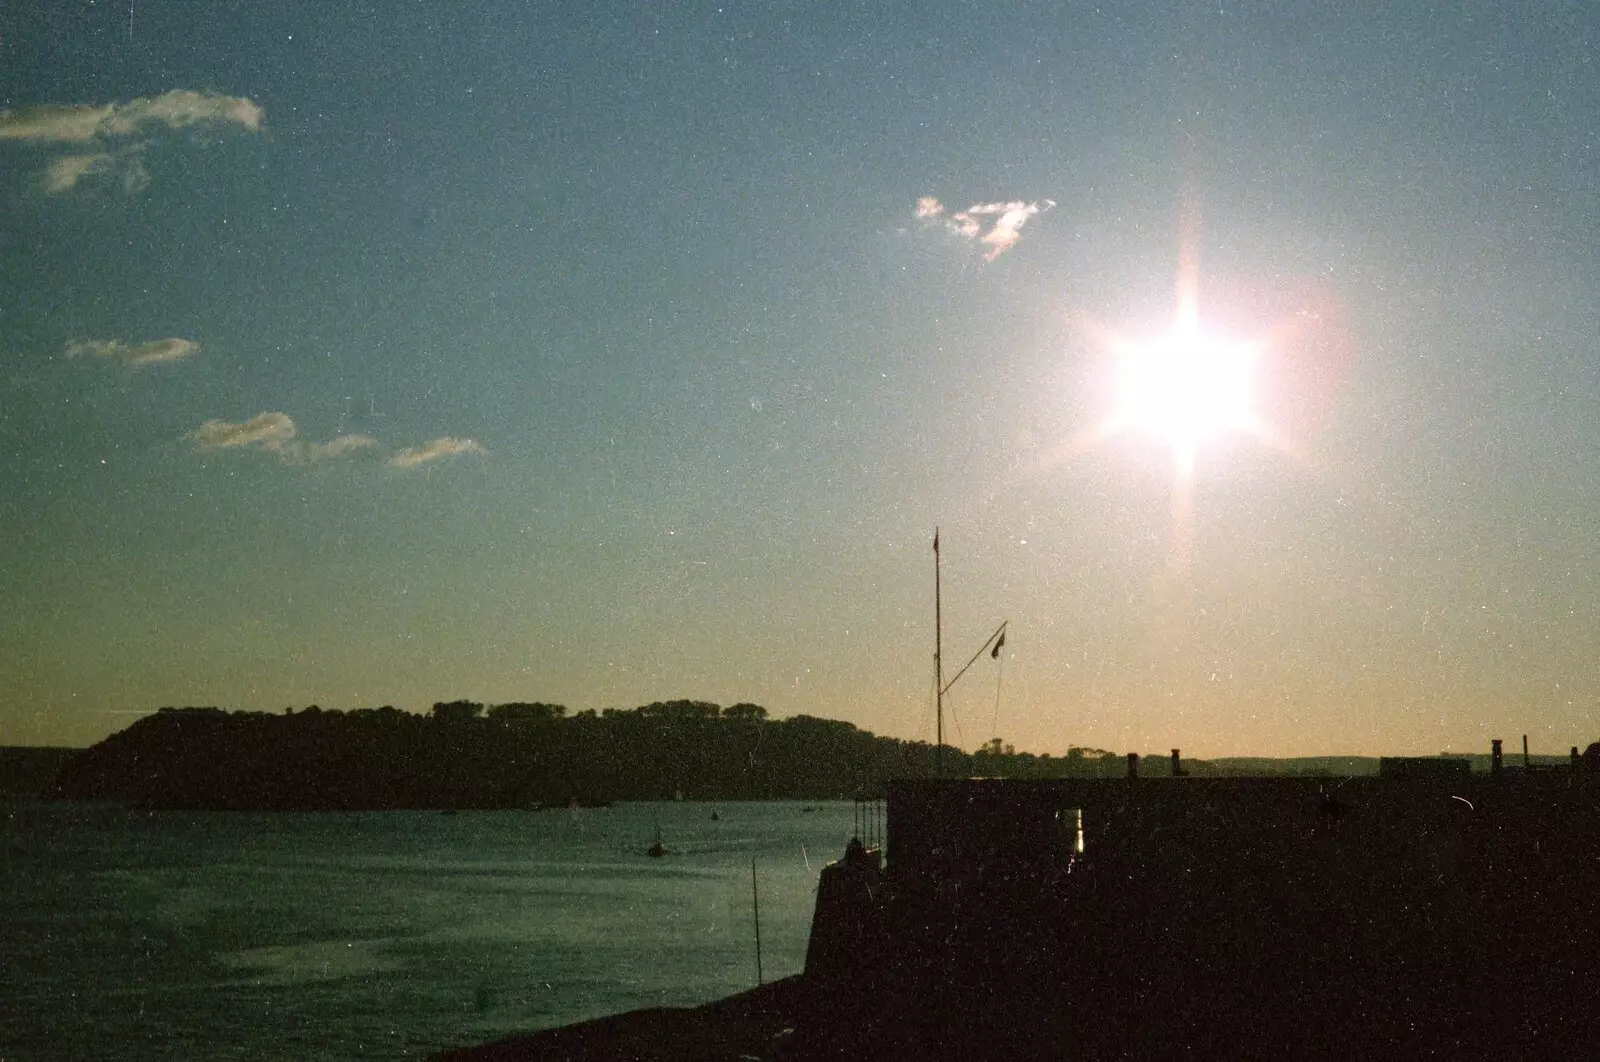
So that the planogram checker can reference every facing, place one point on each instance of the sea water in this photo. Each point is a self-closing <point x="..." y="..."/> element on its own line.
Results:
<point x="214" y="935"/>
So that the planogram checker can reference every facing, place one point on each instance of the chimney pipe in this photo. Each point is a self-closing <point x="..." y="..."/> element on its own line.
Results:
<point x="1525" y="761"/>
<point x="1133" y="765"/>
<point x="1496" y="757"/>
<point x="1177" y="765"/>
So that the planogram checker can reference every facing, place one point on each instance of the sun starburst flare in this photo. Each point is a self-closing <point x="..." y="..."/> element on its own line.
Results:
<point x="1185" y="387"/>
<point x="1189" y="387"/>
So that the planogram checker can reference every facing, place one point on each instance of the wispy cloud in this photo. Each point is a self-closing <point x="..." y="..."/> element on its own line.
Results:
<point x="276" y="433"/>
<point x="64" y="173"/>
<point x="155" y="352"/>
<point x="269" y="431"/>
<point x="444" y="446"/>
<point x="78" y="123"/>
<point x="998" y="226"/>
<point x="181" y="108"/>
<point x="57" y="122"/>
<point x="104" y="131"/>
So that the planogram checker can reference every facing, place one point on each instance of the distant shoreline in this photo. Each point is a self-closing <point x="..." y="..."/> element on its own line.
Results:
<point x="529" y="756"/>
<point x="29" y="770"/>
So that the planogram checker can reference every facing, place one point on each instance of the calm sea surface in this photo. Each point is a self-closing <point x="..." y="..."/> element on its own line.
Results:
<point x="213" y="935"/>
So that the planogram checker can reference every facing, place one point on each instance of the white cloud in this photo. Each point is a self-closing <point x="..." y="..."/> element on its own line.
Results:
<point x="77" y="123"/>
<point x="275" y="433"/>
<point x="98" y="128"/>
<point x="974" y="223"/>
<point x="272" y="431"/>
<point x="58" y="122"/>
<point x="181" y="108"/>
<point x="155" y="352"/>
<point x="443" y="446"/>
<point x="1007" y="229"/>
<point x="64" y="173"/>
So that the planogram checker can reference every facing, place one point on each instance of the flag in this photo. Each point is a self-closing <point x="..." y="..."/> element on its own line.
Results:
<point x="995" y="655"/>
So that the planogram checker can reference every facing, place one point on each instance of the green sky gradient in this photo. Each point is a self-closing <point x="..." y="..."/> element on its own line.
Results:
<point x="662" y="264"/>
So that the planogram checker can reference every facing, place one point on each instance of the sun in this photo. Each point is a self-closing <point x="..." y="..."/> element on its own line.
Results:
<point x="1184" y="387"/>
<point x="1196" y="388"/>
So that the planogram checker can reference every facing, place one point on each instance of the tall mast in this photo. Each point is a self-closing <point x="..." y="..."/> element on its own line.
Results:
<point x="991" y="644"/>
<point x="938" y="663"/>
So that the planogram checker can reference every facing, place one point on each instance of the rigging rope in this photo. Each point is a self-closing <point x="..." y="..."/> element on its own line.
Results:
<point x="999" y="674"/>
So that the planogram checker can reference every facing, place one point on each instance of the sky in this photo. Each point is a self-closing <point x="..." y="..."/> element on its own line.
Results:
<point x="363" y="354"/>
